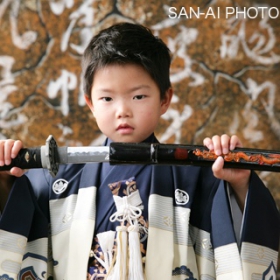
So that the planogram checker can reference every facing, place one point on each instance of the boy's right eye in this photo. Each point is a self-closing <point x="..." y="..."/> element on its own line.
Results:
<point x="107" y="99"/>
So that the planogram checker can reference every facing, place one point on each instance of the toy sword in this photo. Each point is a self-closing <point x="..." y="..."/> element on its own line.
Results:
<point x="50" y="156"/>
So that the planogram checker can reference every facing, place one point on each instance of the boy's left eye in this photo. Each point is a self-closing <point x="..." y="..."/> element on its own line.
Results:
<point x="138" y="97"/>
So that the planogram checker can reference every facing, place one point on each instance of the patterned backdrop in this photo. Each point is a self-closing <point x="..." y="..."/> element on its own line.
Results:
<point x="225" y="69"/>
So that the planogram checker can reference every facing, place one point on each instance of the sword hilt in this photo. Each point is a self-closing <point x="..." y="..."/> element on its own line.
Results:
<point x="25" y="159"/>
<point x="38" y="157"/>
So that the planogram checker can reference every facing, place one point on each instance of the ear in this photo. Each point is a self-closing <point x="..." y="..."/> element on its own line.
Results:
<point x="89" y="103"/>
<point x="165" y="102"/>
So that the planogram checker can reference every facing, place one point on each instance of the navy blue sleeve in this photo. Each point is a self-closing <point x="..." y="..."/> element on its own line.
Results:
<point x="261" y="218"/>
<point x="22" y="215"/>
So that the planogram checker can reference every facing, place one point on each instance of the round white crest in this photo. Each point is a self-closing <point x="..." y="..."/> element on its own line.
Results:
<point x="59" y="186"/>
<point x="181" y="197"/>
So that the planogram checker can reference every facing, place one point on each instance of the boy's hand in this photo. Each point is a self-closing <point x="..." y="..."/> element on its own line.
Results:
<point x="237" y="178"/>
<point x="8" y="151"/>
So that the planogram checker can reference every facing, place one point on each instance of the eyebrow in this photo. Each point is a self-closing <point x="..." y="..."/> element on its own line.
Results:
<point x="107" y="90"/>
<point x="140" y="87"/>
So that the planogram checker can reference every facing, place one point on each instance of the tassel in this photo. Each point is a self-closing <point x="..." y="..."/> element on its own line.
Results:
<point x="129" y="209"/>
<point x="135" y="257"/>
<point x="119" y="271"/>
<point x="106" y="242"/>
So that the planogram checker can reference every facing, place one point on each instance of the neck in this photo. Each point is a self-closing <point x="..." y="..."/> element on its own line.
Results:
<point x="150" y="139"/>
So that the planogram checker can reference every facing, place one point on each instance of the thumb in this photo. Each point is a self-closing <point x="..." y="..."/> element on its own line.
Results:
<point x="217" y="168"/>
<point x="17" y="172"/>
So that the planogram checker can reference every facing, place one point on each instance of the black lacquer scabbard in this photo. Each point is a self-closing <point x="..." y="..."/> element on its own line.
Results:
<point x="174" y="154"/>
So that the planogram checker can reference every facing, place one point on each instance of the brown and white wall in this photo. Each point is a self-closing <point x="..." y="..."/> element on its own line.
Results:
<point x="225" y="69"/>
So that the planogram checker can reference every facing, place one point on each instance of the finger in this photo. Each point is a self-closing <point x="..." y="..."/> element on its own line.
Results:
<point x="225" y="143"/>
<point x="8" y="145"/>
<point x="217" y="144"/>
<point x="208" y="143"/>
<point x="2" y="153"/>
<point x="235" y="142"/>
<point x="16" y="148"/>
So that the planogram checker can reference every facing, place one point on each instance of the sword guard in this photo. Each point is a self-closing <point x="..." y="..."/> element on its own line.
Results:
<point x="51" y="156"/>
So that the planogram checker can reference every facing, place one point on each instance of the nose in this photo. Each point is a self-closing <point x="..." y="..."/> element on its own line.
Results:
<point x="123" y="110"/>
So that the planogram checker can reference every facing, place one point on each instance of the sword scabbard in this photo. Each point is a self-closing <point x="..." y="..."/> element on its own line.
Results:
<point x="174" y="154"/>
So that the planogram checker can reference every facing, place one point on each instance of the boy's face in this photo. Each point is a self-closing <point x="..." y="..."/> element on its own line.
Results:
<point x="126" y="103"/>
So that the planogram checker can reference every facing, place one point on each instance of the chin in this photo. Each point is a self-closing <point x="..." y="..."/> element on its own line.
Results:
<point x="128" y="139"/>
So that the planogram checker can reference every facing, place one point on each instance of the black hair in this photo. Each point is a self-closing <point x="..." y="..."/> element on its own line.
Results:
<point x="127" y="43"/>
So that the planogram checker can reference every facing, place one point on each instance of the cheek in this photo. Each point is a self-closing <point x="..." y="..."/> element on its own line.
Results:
<point x="150" y="118"/>
<point x="151" y="112"/>
<point x="102" y="115"/>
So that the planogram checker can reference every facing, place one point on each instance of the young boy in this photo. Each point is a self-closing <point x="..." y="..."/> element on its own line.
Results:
<point x="97" y="221"/>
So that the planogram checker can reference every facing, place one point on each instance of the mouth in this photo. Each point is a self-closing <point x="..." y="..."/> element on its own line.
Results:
<point x="125" y="128"/>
